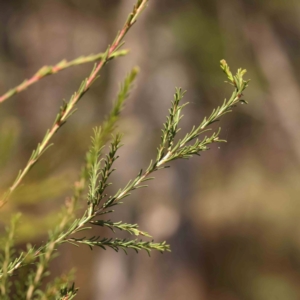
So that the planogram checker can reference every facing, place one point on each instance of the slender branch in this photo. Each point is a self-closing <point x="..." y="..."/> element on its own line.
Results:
<point x="68" y="108"/>
<point x="49" y="70"/>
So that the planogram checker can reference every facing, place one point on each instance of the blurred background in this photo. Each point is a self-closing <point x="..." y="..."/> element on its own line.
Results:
<point x="232" y="216"/>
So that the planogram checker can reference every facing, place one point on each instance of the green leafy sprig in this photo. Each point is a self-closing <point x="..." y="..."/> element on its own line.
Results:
<point x="123" y="244"/>
<point x="169" y="150"/>
<point x="133" y="229"/>
<point x="97" y="187"/>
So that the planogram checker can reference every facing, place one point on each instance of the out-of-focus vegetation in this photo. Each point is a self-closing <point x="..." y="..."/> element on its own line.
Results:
<point x="232" y="217"/>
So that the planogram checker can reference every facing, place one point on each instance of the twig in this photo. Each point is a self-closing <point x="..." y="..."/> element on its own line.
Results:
<point x="49" y="70"/>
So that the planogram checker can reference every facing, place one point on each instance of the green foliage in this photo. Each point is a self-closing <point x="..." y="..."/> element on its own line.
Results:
<point x="124" y="244"/>
<point x="133" y="229"/>
<point x="94" y="180"/>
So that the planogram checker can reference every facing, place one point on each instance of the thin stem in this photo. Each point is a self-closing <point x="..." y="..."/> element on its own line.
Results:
<point x="49" y="70"/>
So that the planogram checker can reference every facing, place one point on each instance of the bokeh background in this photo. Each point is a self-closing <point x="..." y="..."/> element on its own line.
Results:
<point x="232" y="216"/>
